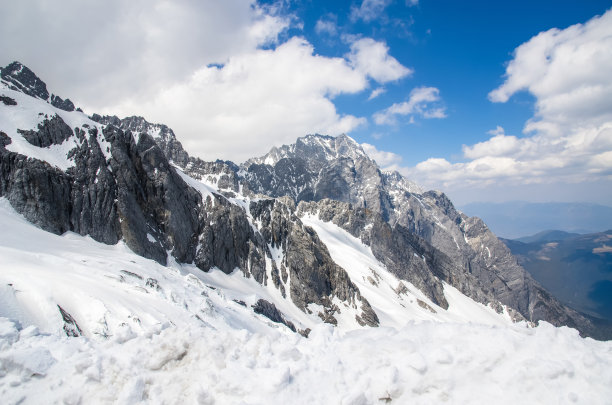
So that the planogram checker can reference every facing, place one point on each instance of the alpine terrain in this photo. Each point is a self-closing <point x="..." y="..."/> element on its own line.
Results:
<point x="133" y="272"/>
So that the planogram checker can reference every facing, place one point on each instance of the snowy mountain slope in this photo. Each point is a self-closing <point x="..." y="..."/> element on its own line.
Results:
<point x="122" y="188"/>
<point x="438" y="219"/>
<point x="183" y="338"/>
<point x="394" y="300"/>
<point x="313" y="169"/>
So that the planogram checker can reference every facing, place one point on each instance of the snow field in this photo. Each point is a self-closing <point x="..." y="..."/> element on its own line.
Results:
<point x="422" y="363"/>
<point x="182" y="339"/>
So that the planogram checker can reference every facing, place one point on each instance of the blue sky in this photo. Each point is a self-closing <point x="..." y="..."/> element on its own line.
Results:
<point x="460" y="48"/>
<point x="423" y="84"/>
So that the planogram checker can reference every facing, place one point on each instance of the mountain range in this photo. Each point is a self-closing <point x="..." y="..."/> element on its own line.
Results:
<point x="515" y="219"/>
<point x="576" y="268"/>
<point x="113" y="231"/>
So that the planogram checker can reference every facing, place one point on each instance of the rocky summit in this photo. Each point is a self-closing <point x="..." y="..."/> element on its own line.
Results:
<point x="280" y="220"/>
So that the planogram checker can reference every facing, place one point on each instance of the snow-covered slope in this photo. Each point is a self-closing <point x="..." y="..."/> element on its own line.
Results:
<point x="173" y="334"/>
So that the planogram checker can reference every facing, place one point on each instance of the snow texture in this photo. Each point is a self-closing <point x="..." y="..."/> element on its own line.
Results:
<point x="155" y="334"/>
<point x="28" y="113"/>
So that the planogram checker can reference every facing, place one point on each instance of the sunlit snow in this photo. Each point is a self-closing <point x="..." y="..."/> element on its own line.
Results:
<point x="155" y="334"/>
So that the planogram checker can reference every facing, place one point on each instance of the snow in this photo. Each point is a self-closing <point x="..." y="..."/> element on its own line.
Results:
<point x="379" y="286"/>
<point x="205" y="189"/>
<point x="184" y="340"/>
<point x="27" y="114"/>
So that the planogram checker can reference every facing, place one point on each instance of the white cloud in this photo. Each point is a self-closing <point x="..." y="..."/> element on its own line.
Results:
<point x="569" y="138"/>
<point x="498" y="145"/>
<point x="385" y="160"/>
<point x="99" y="52"/>
<point x="376" y="92"/>
<point x="369" y="10"/>
<point x="372" y="58"/>
<point x="421" y="102"/>
<point x="215" y="72"/>
<point x="411" y="3"/>
<point x="257" y="99"/>
<point x="327" y="25"/>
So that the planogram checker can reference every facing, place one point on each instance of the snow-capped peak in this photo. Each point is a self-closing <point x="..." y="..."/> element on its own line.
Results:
<point x="19" y="77"/>
<point x="319" y="149"/>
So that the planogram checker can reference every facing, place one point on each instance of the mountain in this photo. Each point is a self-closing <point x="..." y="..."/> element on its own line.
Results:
<point x="134" y="271"/>
<point x="317" y="168"/>
<point x="575" y="268"/>
<point x="547" y="236"/>
<point x="519" y="218"/>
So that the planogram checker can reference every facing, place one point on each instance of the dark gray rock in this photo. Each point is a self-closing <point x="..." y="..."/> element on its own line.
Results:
<point x="52" y="131"/>
<point x="270" y="311"/>
<point x="312" y="274"/>
<point x="22" y="79"/>
<point x="6" y="100"/>
<point x="413" y="223"/>
<point x="71" y="328"/>
<point x="58" y="102"/>
<point x="4" y="140"/>
<point x="35" y="189"/>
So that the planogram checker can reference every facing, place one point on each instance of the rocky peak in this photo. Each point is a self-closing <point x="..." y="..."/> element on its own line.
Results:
<point x="319" y="150"/>
<point x="20" y="78"/>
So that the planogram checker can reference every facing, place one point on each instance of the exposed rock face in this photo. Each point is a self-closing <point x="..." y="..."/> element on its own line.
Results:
<point x="52" y="131"/>
<point x="405" y="254"/>
<point x="22" y="79"/>
<point x="222" y="173"/>
<point x="65" y="105"/>
<point x="305" y="266"/>
<point x="36" y="190"/>
<point x="7" y="100"/>
<point x="270" y="311"/>
<point x="459" y="250"/>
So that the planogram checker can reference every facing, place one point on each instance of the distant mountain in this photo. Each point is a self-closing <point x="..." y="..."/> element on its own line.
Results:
<point x="547" y="236"/>
<point x="518" y="218"/>
<point x="576" y="269"/>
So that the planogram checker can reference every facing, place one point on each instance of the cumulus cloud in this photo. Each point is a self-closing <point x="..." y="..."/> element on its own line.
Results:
<point x="224" y="75"/>
<point x="386" y="160"/>
<point x="264" y="97"/>
<point x="569" y="138"/>
<point x="369" y="10"/>
<point x="98" y="52"/>
<point x="372" y="58"/>
<point x="421" y="102"/>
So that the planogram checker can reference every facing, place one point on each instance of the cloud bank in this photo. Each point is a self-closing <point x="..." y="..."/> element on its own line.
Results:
<point x="225" y="75"/>
<point x="569" y="138"/>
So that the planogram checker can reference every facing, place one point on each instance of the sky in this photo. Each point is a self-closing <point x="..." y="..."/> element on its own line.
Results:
<point x="484" y="100"/>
